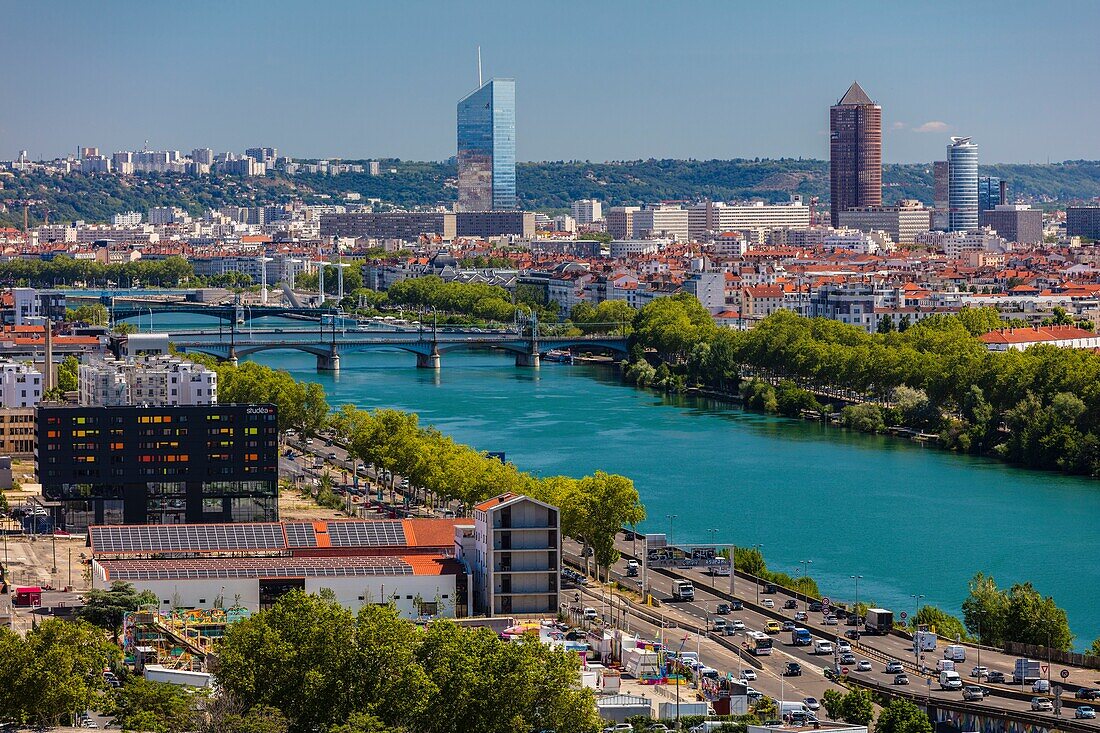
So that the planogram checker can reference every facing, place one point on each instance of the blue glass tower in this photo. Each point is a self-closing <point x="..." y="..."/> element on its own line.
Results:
<point x="487" y="147"/>
<point x="962" y="185"/>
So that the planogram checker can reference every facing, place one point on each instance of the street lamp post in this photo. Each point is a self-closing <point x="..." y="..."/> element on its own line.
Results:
<point x="759" y="548"/>
<point x="805" y="596"/>
<point x="670" y="518"/>
<point x="713" y="568"/>
<point x="917" y="598"/>
<point x="857" y="578"/>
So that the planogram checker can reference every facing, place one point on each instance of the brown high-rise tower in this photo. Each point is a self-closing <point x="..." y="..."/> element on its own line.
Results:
<point x="855" y="152"/>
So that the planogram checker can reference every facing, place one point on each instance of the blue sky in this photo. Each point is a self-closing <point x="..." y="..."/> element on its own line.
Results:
<point x="595" y="80"/>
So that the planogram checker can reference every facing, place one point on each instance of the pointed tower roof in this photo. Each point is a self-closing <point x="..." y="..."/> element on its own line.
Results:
<point x="855" y="95"/>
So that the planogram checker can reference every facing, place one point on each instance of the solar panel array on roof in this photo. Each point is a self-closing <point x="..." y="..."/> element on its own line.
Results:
<point x="187" y="538"/>
<point x="367" y="534"/>
<point x="300" y="534"/>
<point x="254" y="568"/>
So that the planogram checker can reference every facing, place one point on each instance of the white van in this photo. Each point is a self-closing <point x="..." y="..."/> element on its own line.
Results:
<point x="786" y="707"/>
<point x="945" y="665"/>
<point x="955" y="652"/>
<point x="823" y="647"/>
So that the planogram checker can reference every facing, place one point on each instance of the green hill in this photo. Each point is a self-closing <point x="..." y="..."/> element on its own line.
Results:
<point x="545" y="186"/>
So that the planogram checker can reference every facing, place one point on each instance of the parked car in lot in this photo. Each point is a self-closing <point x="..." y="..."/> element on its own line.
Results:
<point x="1042" y="704"/>
<point x="973" y="693"/>
<point x="901" y="679"/>
<point x="1084" y="713"/>
<point x="894" y="667"/>
<point x="863" y="666"/>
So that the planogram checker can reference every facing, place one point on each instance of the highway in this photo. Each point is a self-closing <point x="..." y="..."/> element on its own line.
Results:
<point x="682" y="620"/>
<point x="875" y="649"/>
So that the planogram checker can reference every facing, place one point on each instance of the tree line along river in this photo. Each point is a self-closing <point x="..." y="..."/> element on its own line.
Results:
<point x="911" y="520"/>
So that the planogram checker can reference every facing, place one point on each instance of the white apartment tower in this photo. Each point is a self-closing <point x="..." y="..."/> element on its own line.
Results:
<point x="517" y="556"/>
<point x="587" y="211"/>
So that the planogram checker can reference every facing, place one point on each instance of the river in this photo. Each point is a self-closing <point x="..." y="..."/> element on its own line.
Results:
<point x="910" y="520"/>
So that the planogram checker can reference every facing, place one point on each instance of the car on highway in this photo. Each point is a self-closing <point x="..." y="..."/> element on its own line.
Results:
<point x="1084" y="712"/>
<point x="843" y="646"/>
<point x="830" y="620"/>
<point x="863" y="666"/>
<point x="793" y="669"/>
<point x="748" y="674"/>
<point x="823" y="647"/>
<point x="619" y="728"/>
<point x="753" y="694"/>
<point x="901" y="679"/>
<point x="722" y="609"/>
<point x="737" y="605"/>
<point x="994" y="676"/>
<point x="1042" y="704"/>
<point x="848" y="658"/>
<point x="332" y="456"/>
<point x="1040" y="686"/>
<point x="815" y="607"/>
<point x="737" y="625"/>
<point x="1087" y="693"/>
<point x="772" y="627"/>
<point x="894" y="667"/>
<point x="632" y="572"/>
<point x="852" y="634"/>
<point x="632" y="563"/>
<point x="790" y="603"/>
<point x="801" y="616"/>
<point x="973" y="693"/>
<point x="979" y="672"/>
<point x="812" y="703"/>
<point x="589" y="614"/>
<point x="788" y="626"/>
<point x="768" y="603"/>
<point x="719" y="624"/>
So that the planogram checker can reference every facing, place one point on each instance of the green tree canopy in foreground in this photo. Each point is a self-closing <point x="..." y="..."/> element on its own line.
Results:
<point x="326" y="669"/>
<point x="902" y="716"/>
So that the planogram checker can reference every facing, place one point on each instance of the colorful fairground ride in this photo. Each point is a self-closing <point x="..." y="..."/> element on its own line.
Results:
<point x="179" y="638"/>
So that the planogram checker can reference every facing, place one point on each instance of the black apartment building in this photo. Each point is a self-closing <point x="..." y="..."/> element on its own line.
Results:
<point x="158" y="465"/>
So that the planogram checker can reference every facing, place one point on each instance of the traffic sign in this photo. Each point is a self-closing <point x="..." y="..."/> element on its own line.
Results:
<point x="904" y="615"/>
<point x="844" y="670"/>
<point x="1065" y="674"/>
<point x="1045" y="667"/>
<point x="826" y="602"/>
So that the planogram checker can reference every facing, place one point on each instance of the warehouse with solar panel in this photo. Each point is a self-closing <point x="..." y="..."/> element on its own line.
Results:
<point x="415" y="564"/>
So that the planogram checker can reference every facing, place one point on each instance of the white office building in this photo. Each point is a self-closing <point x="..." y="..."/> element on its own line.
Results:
<point x="147" y="380"/>
<point x="661" y="221"/>
<point x="587" y="211"/>
<point x="126" y="219"/>
<point x="622" y="249"/>
<point x="718" y="217"/>
<point x="21" y="385"/>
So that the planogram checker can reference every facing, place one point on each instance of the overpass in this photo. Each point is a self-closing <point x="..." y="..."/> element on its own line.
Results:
<point x="329" y="345"/>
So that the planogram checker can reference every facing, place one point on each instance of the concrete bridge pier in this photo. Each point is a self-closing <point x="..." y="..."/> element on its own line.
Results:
<point x="428" y="361"/>
<point x="328" y="362"/>
<point x="232" y="358"/>
<point x="525" y="359"/>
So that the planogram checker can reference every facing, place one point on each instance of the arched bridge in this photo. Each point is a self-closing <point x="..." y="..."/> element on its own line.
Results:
<point x="230" y="313"/>
<point x="327" y="346"/>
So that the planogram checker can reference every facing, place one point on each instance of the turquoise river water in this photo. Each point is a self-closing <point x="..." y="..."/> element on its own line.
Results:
<point x="910" y="520"/>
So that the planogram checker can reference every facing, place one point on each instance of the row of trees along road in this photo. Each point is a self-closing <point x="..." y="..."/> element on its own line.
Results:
<point x="593" y="508"/>
<point x="1038" y="408"/>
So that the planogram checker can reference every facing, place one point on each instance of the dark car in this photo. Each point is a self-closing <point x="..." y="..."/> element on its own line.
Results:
<point x="632" y="572"/>
<point x="847" y="658"/>
<point x="790" y="603"/>
<point x="771" y="588"/>
<point x="901" y="679"/>
<point x="793" y="669"/>
<point x="1087" y="693"/>
<point x="788" y="626"/>
<point x="722" y="609"/>
<point x="815" y="606"/>
<point x="737" y="606"/>
<point x="998" y="677"/>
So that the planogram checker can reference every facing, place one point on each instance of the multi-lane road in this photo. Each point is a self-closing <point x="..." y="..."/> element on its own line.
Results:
<point x="710" y="591"/>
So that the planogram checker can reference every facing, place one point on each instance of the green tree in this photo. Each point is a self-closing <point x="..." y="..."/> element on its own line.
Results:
<point x="1094" y="648"/>
<point x="105" y="608"/>
<point x="866" y="418"/>
<point x="152" y="706"/>
<point x="902" y="716"/>
<point x="833" y="702"/>
<point x="95" y="314"/>
<point x="944" y="623"/>
<point x="67" y="374"/>
<point x="857" y="707"/>
<point x="885" y="324"/>
<point x="259" y="719"/>
<point x="1033" y="619"/>
<point x="985" y="610"/>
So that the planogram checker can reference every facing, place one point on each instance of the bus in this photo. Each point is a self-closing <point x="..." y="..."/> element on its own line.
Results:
<point x="759" y="643"/>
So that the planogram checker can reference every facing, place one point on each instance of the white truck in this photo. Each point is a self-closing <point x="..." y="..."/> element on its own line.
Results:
<point x="925" y="641"/>
<point x="955" y="652"/>
<point x="950" y="680"/>
<point x="683" y="590"/>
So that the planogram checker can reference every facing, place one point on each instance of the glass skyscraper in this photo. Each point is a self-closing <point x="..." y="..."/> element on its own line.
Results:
<point x="989" y="193"/>
<point x="487" y="147"/>
<point x="962" y="185"/>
